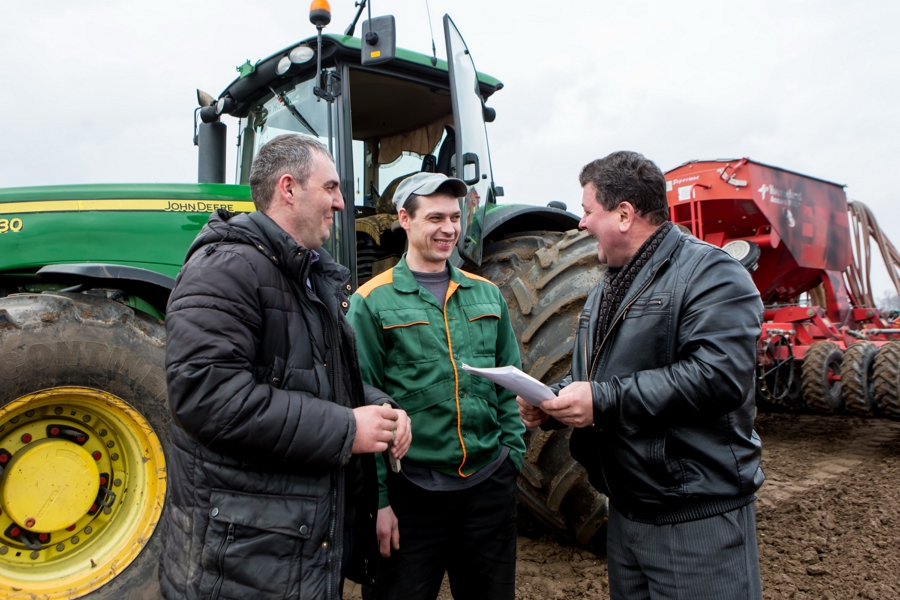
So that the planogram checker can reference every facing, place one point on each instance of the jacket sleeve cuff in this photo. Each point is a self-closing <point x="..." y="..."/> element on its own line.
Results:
<point x="374" y="396"/>
<point x="602" y="403"/>
<point x="347" y="449"/>
<point x="381" y="469"/>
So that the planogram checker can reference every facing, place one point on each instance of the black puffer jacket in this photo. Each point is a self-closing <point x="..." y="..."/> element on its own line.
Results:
<point x="673" y="387"/>
<point x="262" y="376"/>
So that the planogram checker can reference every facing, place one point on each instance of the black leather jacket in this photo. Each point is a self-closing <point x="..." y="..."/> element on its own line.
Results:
<point x="262" y="377"/>
<point x="673" y="387"/>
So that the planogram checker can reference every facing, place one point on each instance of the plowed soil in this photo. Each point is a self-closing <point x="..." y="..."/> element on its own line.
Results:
<point x="828" y="518"/>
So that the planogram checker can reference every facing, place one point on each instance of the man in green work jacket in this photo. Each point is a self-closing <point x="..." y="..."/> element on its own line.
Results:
<point x="452" y="506"/>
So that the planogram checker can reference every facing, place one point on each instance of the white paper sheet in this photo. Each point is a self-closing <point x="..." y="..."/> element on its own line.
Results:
<point x="530" y="389"/>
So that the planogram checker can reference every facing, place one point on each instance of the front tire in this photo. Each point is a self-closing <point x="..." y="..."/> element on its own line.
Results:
<point x="82" y="376"/>
<point x="545" y="280"/>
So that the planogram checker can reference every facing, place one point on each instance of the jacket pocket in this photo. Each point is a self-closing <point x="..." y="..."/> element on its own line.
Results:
<point x="483" y="321"/>
<point x="666" y="476"/>
<point x="253" y="545"/>
<point x="654" y="304"/>
<point x="410" y="336"/>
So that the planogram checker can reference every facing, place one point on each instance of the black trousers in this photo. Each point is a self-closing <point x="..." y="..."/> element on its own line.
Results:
<point x="708" y="559"/>
<point x="470" y="534"/>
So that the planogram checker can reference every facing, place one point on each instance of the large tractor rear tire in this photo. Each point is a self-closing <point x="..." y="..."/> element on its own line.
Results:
<point x="545" y="278"/>
<point x="83" y="427"/>
<point x="887" y="380"/>
<point x="858" y="379"/>
<point x="821" y="378"/>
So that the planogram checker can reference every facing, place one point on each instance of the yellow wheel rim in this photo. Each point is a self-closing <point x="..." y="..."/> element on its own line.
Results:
<point x="82" y="489"/>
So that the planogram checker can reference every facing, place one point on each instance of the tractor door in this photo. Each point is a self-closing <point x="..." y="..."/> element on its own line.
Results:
<point x="473" y="159"/>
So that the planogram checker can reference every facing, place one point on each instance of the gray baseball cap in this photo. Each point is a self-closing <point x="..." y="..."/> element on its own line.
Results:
<point x="424" y="184"/>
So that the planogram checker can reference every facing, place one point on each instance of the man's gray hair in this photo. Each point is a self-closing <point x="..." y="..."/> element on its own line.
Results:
<point x="292" y="154"/>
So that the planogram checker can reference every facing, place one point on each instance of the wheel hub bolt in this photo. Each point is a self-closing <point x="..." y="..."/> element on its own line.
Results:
<point x="29" y="522"/>
<point x="75" y="540"/>
<point x="70" y="528"/>
<point x="114" y="456"/>
<point x="103" y="481"/>
<point x="58" y="410"/>
<point x="15" y="532"/>
<point x="93" y="507"/>
<point x="80" y="438"/>
<point x="54" y="431"/>
<point x="60" y="547"/>
<point x="97" y="455"/>
<point x="35" y="554"/>
<point x="26" y="438"/>
<point x="29" y="413"/>
<point x="3" y="458"/>
<point x="43" y="537"/>
<point x="86" y="418"/>
<point x="89" y="529"/>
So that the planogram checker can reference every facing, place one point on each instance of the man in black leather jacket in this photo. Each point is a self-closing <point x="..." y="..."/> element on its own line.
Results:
<point x="273" y="434"/>
<point x="661" y="395"/>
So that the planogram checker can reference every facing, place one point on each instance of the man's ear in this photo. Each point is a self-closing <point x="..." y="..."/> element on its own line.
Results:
<point x="404" y="218"/>
<point x="625" y="215"/>
<point x="288" y="188"/>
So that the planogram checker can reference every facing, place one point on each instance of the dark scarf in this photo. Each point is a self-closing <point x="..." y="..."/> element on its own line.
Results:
<point x="618" y="281"/>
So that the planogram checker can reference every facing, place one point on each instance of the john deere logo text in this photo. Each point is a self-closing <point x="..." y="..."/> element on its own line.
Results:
<point x="197" y="206"/>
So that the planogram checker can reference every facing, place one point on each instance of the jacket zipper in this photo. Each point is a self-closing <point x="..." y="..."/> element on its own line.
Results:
<point x="590" y="374"/>
<point x="220" y="560"/>
<point x="330" y="344"/>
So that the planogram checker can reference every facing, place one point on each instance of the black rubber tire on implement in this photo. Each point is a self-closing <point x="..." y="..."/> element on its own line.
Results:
<point x="821" y="394"/>
<point x="858" y="379"/>
<point x="545" y="279"/>
<point x="887" y="380"/>
<point x="60" y="339"/>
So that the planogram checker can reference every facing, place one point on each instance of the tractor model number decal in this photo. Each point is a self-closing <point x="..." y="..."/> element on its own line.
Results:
<point x="13" y="225"/>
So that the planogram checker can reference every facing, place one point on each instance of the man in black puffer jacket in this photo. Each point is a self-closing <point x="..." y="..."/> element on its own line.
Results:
<point x="663" y="395"/>
<point x="273" y="430"/>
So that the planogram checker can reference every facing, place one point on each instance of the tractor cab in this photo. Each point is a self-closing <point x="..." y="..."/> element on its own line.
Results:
<point x="383" y="120"/>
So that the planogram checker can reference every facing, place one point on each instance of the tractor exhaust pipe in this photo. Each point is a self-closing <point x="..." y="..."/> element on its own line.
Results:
<point x="211" y="158"/>
<point x="209" y="136"/>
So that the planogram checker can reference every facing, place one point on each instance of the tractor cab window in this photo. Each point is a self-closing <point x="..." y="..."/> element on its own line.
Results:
<point x="292" y="109"/>
<point x="399" y="127"/>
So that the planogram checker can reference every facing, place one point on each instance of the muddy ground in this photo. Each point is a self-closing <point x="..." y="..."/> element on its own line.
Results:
<point x="828" y="518"/>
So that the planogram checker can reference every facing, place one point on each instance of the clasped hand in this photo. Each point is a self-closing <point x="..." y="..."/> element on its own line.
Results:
<point x="573" y="407"/>
<point x="376" y="426"/>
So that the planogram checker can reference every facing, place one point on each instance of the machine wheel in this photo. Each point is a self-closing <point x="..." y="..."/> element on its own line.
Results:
<point x="545" y="278"/>
<point x="83" y="427"/>
<point x="887" y="380"/>
<point x="858" y="379"/>
<point x="821" y="378"/>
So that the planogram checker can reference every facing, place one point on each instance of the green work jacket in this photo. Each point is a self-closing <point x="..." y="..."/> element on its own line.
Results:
<point x="412" y="347"/>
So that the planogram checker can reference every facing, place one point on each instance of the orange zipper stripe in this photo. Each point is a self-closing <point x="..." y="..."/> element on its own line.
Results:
<point x="450" y="289"/>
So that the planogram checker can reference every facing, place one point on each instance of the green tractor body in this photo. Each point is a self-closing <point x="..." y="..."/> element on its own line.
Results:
<point x="85" y="272"/>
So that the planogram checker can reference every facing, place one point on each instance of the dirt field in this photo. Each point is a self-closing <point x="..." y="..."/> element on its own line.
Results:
<point x="828" y="518"/>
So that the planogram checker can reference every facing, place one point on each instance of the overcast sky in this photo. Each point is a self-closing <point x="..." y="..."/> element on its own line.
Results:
<point x="102" y="91"/>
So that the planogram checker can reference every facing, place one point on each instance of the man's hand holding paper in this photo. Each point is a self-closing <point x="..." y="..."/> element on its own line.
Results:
<point x="573" y="407"/>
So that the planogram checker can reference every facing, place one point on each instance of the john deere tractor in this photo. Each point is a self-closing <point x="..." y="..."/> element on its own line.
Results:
<point x="86" y="271"/>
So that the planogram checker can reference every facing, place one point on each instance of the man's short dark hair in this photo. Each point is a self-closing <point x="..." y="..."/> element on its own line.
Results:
<point x="629" y="177"/>
<point x="412" y="203"/>
<point x="290" y="153"/>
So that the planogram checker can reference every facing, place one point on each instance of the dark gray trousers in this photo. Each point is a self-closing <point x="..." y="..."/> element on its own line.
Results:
<point x="709" y="559"/>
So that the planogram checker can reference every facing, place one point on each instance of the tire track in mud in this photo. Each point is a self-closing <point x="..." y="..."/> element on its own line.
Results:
<point x="855" y="440"/>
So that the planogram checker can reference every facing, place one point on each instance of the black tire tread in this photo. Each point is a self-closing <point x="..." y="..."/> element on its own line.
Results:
<point x="856" y="379"/>
<point x="820" y="396"/>
<point x="545" y="280"/>
<point x="887" y="380"/>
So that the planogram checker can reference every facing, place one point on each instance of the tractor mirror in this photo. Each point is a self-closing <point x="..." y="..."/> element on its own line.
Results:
<point x="379" y="37"/>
